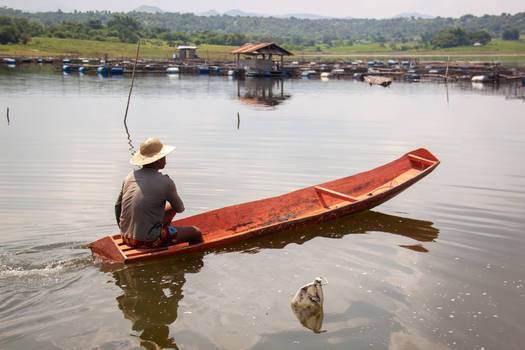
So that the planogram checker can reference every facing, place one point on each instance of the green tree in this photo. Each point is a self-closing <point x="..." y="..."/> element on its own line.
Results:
<point x="426" y="38"/>
<point x="9" y="34"/>
<point x="5" y="21"/>
<point x="95" y="24"/>
<point x="479" y="36"/>
<point x="450" y="37"/>
<point x="511" y="34"/>
<point x="121" y="21"/>
<point x="127" y="28"/>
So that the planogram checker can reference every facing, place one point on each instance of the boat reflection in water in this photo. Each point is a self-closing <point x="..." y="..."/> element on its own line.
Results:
<point x="151" y="296"/>
<point x="261" y="92"/>
<point x="152" y="291"/>
<point x="360" y="223"/>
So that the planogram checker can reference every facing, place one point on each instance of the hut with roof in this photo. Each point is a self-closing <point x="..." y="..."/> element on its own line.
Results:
<point x="187" y="52"/>
<point x="259" y="59"/>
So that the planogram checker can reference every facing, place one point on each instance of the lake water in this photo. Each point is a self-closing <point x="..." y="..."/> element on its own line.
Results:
<point x="441" y="266"/>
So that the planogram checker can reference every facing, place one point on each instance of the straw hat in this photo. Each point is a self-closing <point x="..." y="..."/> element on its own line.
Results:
<point x="151" y="150"/>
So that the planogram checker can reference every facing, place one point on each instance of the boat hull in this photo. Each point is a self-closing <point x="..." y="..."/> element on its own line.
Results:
<point x="309" y="205"/>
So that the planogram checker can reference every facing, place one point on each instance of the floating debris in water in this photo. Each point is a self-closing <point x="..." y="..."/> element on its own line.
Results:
<point x="307" y="305"/>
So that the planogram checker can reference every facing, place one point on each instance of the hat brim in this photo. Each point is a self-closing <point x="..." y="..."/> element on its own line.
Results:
<point x="139" y="159"/>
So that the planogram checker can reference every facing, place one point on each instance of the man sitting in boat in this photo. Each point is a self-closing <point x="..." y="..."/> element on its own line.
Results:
<point x="148" y="201"/>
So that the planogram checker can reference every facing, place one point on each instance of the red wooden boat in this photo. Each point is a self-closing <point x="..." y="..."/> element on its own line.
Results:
<point x="305" y="206"/>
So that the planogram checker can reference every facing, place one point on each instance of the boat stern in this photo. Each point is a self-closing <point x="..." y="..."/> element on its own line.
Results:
<point x="106" y="248"/>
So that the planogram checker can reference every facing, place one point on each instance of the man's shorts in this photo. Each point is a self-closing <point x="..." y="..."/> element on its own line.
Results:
<point x="168" y="236"/>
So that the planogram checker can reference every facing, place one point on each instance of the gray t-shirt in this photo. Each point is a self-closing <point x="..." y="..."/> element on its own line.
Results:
<point x="142" y="201"/>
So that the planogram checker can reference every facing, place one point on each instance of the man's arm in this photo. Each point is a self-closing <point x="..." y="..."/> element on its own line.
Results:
<point x="118" y="207"/>
<point x="173" y="197"/>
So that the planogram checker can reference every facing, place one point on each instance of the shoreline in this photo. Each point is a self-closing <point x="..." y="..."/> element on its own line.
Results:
<point x="411" y="69"/>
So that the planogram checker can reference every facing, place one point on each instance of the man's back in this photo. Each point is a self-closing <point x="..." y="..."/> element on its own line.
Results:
<point x="143" y="199"/>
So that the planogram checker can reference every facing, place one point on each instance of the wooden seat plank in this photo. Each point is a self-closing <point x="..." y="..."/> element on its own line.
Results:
<point x="413" y="156"/>
<point x="336" y="194"/>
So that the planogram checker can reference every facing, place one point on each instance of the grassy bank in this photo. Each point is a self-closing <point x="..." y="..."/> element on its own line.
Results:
<point x="160" y="49"/>
<point x="91" y="48"/>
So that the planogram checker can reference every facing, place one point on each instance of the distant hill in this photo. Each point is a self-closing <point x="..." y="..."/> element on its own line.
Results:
<point x="236" y="12"/>
<point x="148" y="9"/>
<point x="303" y="16"/>
<point x="413" y="14"/>
<point x="240" y="13"/>
<point x="209" y="13"/>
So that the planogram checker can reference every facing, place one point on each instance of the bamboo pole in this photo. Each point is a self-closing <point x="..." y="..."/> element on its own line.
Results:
<point x="132" y="80"/>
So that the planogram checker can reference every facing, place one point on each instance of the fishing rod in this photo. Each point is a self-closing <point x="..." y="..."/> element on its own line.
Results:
<point x="132" y="149"/>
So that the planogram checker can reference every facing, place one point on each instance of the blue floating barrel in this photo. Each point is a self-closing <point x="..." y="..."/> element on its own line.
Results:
<point x="203" y="70"/>
<point x="82" y="69"/>
<point x="116" y="71"/>
<point x="412" y="77"/>
<point x="103" y="71"/>
<point x="307" y="74"/>
<point x="66" y="68"/>
<point x="523" y="82"/>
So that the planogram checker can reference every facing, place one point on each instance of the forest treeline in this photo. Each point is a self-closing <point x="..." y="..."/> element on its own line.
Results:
<point x="187" y="28"/>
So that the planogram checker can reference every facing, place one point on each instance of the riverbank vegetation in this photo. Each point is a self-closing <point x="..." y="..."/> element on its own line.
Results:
<point x="155" y="48"/>
<point x="95" y="33"/>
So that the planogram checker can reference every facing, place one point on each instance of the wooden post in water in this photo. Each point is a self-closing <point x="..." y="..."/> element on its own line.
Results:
<point x="8" y="116"/>
<point x="446" y="70"/>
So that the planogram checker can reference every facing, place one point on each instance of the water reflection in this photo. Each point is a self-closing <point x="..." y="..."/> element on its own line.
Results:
<point x="511" y="90"/>
<point x="310" y="318"/>
<point x="261" y="92"/>
<point x="307" y="305"/>
<point x="360" y="223"/>
<point x="151" y="294"/>
<point x="130" y="142"/>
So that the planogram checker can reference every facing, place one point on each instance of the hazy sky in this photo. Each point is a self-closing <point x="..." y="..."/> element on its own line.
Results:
<point x="333" y="8"/>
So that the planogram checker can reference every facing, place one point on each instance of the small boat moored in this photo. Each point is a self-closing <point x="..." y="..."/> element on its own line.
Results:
<point x="309" y="205"/>
<point x="10" y="61"/>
